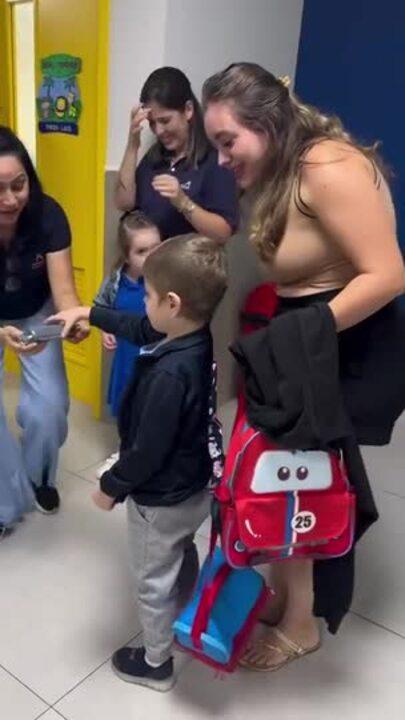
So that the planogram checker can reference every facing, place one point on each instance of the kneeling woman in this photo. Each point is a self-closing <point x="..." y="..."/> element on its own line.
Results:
<point x="35" y="276"/>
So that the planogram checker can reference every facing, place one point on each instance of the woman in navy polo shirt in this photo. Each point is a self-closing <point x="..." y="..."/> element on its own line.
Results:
<point x="35" y="276"/>
<point x="178" y="183"/>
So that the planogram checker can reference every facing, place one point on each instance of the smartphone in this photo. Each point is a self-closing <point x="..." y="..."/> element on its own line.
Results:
<point x="42" y="333"/>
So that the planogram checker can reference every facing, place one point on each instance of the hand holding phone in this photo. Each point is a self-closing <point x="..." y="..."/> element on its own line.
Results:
<point x="42" y="333"/>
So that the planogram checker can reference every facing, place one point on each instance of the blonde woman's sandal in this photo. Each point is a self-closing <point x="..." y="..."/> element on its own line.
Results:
<point x="270" y="617"/>
<point x="273" y="652"/>
<point x="269" y="621"/>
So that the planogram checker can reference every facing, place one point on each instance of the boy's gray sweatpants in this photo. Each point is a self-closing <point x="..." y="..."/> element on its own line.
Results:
<point x="164" y="562"/>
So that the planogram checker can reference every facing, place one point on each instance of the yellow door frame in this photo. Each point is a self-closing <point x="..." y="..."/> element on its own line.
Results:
<point x="8" y="55"/>
<point x="11" y="363"/>
<point x="104" y="7"/>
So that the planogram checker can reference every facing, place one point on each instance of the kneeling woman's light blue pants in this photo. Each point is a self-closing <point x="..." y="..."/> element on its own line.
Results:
<point x="42" y="416"/>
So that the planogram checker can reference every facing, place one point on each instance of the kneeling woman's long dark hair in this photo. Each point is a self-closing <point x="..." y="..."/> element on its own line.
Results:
<point x="30" y="217"/>
<point x="170" y="88"/>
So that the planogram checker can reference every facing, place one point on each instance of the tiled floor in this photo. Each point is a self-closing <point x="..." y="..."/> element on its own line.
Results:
<point x="65" y="606"/>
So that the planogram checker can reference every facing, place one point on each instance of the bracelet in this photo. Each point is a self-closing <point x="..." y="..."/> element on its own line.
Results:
<point x="188" y="207"/>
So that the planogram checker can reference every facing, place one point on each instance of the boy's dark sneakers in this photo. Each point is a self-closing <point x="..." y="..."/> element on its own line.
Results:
<point x="130" y="665"/>
<point x="46" y="499"/>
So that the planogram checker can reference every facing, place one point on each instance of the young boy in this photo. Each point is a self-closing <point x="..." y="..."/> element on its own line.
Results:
<point x="164" y="464"/>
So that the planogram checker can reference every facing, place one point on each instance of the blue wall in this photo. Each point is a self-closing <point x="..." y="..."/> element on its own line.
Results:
<point x="351" y="61"/>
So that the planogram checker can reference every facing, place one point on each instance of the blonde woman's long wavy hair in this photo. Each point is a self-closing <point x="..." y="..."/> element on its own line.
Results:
<point x="264" y="104"/>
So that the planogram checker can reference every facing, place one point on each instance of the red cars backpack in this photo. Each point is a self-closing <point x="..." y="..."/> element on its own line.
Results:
<point x="274" y="504"/>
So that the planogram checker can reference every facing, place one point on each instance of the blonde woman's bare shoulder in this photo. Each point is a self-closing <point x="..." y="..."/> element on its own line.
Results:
<point x="337" y="165"/>
<point x="328" y="151"/>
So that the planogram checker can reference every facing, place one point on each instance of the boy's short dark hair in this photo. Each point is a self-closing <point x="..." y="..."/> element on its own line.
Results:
<point x="192" y="266"/>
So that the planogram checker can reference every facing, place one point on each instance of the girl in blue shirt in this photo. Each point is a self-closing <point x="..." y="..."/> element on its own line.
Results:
<point x="124" y="290"/>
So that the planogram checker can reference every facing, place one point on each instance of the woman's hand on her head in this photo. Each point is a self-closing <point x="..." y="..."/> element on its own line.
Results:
<point x="10" y="336"/>
<point x="138" y="115"/>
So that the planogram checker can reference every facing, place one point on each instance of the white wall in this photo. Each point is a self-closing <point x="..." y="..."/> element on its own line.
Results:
<point x="204" y="36"/>
<point x="137" y="44"/>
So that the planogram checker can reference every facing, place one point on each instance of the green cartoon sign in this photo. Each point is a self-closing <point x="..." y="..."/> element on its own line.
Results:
<point x="59" y="104"/>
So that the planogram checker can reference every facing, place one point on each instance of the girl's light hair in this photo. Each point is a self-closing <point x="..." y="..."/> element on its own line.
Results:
<point x="264" y="104"/>
<point x="129" y="223"/>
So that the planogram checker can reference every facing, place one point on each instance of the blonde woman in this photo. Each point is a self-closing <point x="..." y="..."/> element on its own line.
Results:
<point x="324" y="224"/>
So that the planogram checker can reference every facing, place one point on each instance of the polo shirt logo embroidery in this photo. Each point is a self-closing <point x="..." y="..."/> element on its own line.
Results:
<point x="12" y="284"/>
<point x="38" y="262"/>
<point x="186" y="185"/>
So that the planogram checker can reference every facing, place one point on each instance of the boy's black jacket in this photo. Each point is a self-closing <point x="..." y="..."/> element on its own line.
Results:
<point x="164" y="416"/>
